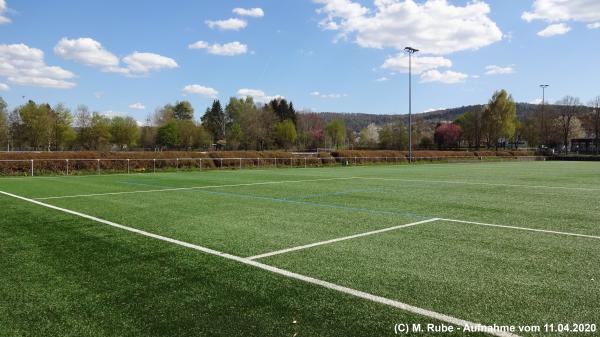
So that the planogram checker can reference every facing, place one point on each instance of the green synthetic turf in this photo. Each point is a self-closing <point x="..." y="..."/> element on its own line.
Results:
<point x="78" y="277"/>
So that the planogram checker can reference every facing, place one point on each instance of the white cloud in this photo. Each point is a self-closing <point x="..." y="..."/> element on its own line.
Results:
<point x="87" y="51"/>
<point x="137" y="106"/>
<point x="91" y="53"/>
<point x="200" y="90"/>
<point x="227" y="49"/>
<point x="23" y="65"/>
<point x="4" y="87"/>
<point x="420" y="64"/>
<point x="435" y="26"/>
<point x="98" y="94"/>
<point x="564" y="10"/>
<point x="3" y="9"/>
<point x="251" y="12"/>
<point x="594" y="25"/>
<point x="330" y="96"/>
<point x="143" y="63"/>
<point x="447" y="77"/>
<point x="554" y="29"/>
<point x="433" y="109"/>
<point x="229" y="24"/>
<point x="113" y="114"/>
<point x="259" y="96"/>
<point x="498" y="70"/>
<point x="536" y="101"/>
<point x="382" y="79"/>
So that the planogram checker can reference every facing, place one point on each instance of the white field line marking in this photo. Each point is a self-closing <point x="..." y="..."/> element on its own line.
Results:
<point x="283" y="272"/>
<point x="293" y="249"/>
<point x="522" y="228"/>
<point x="192" y="188"/>
<point x="480" y="183"/>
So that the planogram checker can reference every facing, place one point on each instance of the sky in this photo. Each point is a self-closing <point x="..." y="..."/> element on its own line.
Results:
<point x="130" y="57"/>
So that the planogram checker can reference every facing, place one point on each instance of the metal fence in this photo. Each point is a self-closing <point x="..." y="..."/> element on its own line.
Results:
<point x="33" y="167"/>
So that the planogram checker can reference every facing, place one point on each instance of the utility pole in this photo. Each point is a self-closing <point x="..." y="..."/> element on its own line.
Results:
<point x="410" y="52"/>
<point x="544" y="128"/>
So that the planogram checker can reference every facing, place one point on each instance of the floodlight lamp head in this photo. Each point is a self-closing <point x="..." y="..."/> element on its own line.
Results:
<point x="410" y="50"/>
<point x="544" y="85"/>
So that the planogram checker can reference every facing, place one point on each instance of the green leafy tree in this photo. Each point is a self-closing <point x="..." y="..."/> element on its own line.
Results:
<point x="125" y="132"/>
<point x="37" y="125"/>
<point x="529" y="131"/>
<point x="183" y="111"/>
<point x="63" y="133"/>
<point x="94" y="129"/>
<point x="100" y="131"/>
<point x="202" y="138"/>
<point x="283" y="110"/>
<point x="336" y="130"/>
<point x="214" y="121"/>
<point x="239" y="114"/>
<point x="393" y="137"/>
<point x="163" y="115"/>
<point x="168" y="135"/>
<point x="285" y="133"/>
<point x="471" y="124"/>
<point x="187" y="133"/>
<point x="500" y="118"/>
<point x="234" y="136"/>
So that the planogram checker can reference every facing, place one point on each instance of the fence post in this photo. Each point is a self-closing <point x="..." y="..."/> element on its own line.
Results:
<point x="291" y="162"/>
<point x="32" y="167"/>
<point x="67" y="160"/>
<point x="221" y="163"/>
<point x="154" y="165"/>
<point x="127" y="166"/>
<point x="275" y="162"/>
<point x="240" y="163"/>
<point x="98" y="166"/>
<point x="305" y="162"/>
<point x="200" y="164"/>
<point x="176" y="164"/>
<point x="258" y="162"/>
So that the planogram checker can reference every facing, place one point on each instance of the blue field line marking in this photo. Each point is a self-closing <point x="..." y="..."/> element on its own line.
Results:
<point x="378" y="189"/>
<point x="291" y="201"/>
<point x="308" y="203"/>
<point x="142" y="184"/>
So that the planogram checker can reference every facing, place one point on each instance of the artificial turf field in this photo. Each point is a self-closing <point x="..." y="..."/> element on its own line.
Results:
<point x="345" y="251"/>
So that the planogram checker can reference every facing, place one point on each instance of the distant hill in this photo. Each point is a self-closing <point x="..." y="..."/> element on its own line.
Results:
<point x="358" y="121"/>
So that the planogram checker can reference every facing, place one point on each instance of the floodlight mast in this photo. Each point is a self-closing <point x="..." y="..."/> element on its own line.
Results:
<point x="410" y="51"/>
<point x="544" y="131"/>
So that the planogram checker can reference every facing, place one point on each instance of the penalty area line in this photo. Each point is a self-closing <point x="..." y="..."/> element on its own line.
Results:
<point x="528" y="229"/>
<point x="350" y="237"/>
<point x="286" y="273"/>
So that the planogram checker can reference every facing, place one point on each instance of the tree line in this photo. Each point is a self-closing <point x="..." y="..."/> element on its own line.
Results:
<point x="240" y="125"/>
<point x="243" y="124"/>
<point x="549" y="126"/>
<point x="494" y="125"/>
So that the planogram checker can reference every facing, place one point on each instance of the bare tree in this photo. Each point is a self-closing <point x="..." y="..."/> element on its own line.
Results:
<point x="570" y="108"/>
<point x="595" y="103"/>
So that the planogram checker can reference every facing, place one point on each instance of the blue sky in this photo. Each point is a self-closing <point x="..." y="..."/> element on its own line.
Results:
<point x="129" y="57"/>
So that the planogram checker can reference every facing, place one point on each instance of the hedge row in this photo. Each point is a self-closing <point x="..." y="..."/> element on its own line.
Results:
<point x="431" y="154"/>
<point x="118" y="162"/>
